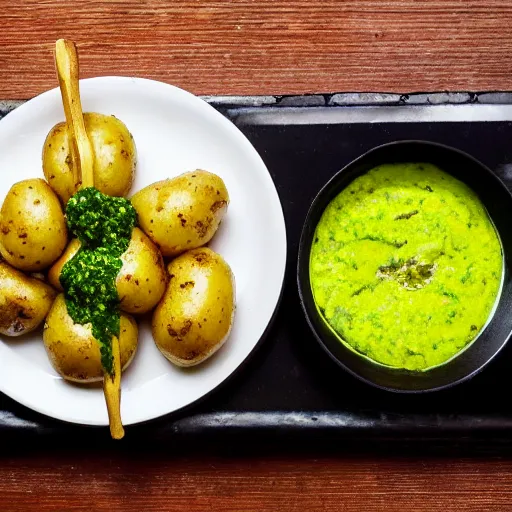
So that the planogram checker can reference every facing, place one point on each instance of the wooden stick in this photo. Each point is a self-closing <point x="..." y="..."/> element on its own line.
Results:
<point x="112" y="391"/>
<point x="66" y="62"/>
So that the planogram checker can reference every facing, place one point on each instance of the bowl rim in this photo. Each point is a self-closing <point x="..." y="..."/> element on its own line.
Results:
<point x="304" y="248"/>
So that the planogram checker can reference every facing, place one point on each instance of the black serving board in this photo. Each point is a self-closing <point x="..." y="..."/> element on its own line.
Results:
<point x="289" y="393"/>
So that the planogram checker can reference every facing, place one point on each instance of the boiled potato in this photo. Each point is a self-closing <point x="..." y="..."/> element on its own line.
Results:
<point x="33" y="230"/>
<point x="24" y="301"/>
<point x="115" y="157"/>
<point x="72" y="349"/>
<point x="56" y="269"/>
<point x="195" y="316"/>
<point x="142" y="279"/>
<point x="182" y="213"/>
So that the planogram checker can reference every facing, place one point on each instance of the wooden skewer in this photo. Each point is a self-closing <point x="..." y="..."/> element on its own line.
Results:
<point x="66" y="62"/>
<point x="112" y="392"/>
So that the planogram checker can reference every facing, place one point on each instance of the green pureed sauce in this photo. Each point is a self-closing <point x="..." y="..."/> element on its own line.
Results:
<point x="104" y="225"/>
<point x="406" y="266"/>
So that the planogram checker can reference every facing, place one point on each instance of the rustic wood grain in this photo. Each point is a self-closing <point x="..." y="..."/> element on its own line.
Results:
<point x="264" y="46"/>
<point x="99" y="483"/>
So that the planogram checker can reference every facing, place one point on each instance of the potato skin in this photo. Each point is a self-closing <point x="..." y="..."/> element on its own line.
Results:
<point x="56" y="268"/>
<point x="115" y="157"/>
<point x="142" y="280"/>
<point x="24" y="301"/>
<point x="72" y="349"/>
<point x="33" y="230"/>
<point x="57" y="163"/>
<point x="195" y="316"/>
<point x="182" y="213"/>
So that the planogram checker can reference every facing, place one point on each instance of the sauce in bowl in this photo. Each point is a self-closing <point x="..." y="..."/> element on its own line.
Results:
<point x="406" y="266"/>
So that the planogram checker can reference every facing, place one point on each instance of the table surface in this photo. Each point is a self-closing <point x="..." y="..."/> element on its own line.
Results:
<point x="264" y="46"/>
<point x="259" y="47"/>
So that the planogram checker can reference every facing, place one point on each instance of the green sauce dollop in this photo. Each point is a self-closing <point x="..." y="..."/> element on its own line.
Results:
<point x="104" y="225"/>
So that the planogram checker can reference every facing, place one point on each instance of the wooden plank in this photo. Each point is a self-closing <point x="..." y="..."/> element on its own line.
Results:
<point x="162" y="483"/>
<point x="264" y="46"/>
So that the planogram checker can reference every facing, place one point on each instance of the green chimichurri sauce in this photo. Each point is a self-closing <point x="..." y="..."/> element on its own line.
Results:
<point x="406" y="265"/>
<point x="103" y="224"/>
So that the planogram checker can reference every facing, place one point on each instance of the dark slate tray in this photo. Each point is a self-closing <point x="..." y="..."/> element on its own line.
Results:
<point x="289" y="395"/>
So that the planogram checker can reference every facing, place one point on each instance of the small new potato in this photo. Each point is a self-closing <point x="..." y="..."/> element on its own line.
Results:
<point x="142" y="279"/>
<point x="195" y="316"/>
<point x="115" y="157"/>
<point x="33" y="230"/>
<point x="182" y="213"/>
<point x="72" y="349"/>
<point x="56" y="268"/>
<point x="24" y="301"/>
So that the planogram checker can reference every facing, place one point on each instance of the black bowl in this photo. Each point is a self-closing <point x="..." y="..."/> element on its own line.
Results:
<point x="498" y="201"/>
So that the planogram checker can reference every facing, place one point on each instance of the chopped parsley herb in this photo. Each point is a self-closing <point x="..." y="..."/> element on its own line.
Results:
<point x="103" y="224"/>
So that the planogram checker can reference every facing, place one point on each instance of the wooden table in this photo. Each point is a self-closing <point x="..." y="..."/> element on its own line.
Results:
<point x="259" y="47"/>
<point x="265" y="46"/>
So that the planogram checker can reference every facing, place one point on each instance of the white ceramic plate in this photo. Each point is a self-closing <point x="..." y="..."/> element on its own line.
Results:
<point x="174" y="132"/>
